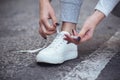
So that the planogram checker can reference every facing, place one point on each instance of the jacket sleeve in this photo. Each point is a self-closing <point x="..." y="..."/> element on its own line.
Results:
<point x="106" y="6"/>
<point x="70" y="10"/>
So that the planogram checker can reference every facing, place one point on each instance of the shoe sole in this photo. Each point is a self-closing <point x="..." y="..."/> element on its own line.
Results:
<point x="59" y="60"/>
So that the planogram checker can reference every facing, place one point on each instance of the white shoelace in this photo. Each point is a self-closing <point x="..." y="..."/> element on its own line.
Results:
<point x="39" y="49"/>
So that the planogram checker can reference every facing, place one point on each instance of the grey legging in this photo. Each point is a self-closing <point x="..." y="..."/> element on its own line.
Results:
<point x="70" y="10"/>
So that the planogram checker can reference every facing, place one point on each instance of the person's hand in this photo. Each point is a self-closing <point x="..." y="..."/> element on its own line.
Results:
<point x="85" y="34"/>
<point x="87" y="30"/>
<point x="46" y="13"/>
<point x="73" y="38"/>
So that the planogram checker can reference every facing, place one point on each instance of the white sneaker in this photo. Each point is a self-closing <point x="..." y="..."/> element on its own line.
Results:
<point x="58" y="51"/>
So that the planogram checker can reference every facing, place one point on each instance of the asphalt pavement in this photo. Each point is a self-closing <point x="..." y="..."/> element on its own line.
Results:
<point x="19" y="30"/>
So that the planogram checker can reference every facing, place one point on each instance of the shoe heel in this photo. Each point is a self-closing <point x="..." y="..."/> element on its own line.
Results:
<point x="71" y="55"/>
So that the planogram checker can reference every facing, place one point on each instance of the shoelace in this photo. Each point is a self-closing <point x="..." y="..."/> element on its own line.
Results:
<point x="39" y="49"/>
<point x="57" y="41"/>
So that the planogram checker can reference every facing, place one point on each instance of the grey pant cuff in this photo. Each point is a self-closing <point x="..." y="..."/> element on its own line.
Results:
<point x="70" y="10"/>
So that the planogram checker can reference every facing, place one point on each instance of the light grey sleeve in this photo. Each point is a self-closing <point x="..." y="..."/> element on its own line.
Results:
<point x="106" y="6"/>
<point x="70" y="10"/>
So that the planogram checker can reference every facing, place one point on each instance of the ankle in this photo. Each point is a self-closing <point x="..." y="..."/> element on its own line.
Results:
<point x="67" y="26"/>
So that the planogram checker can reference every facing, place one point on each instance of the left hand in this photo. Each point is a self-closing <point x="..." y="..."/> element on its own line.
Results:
<point x="87" y="30"/>
<point x="85" y="34"/>
<point x="74" y="38"/>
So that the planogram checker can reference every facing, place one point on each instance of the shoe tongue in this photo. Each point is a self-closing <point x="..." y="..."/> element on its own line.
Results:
<point x="65" y="32"/>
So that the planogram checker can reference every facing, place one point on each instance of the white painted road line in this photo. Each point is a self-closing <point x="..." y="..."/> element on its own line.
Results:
<point x="91" y="67"/>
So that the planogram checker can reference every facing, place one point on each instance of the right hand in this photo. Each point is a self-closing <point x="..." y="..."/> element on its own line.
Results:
<point x="87" y="30"/>
<point x="85" y="34"/>
<point x="46" y="13"/>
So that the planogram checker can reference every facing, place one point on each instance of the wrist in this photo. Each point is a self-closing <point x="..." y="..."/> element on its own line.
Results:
<point x="45" y="1"/>
<point x="97" y="17"/>
<point x="42" y="2"/>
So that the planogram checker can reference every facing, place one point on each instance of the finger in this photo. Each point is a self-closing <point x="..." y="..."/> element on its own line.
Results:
<point x="67" y="39"/>
<point x="41" y="32"/>
<point x="68" y="42"/>
<point x="48" y="32"/>
<point x="87" y="36"/>
<point x="47" y="25"/>
<point x="85" y="39"/>
<point x="74" y="32"/>
<point x="76" y="38"/>
<point x="70" y="39"/>
<point x="82" y="32"/>
<point x="49" y="17"/>
<point x="56" y="24"/>
<point x="54" y="19"/>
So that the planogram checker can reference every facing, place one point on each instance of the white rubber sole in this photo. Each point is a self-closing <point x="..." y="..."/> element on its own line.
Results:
<point x="57" y="59"/>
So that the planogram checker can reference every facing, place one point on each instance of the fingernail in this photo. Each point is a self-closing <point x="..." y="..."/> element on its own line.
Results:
<point x="45" y="37"/>
<point x="68" y="42"/>
<point x="78" y="39"/>
<point x="57" y="24"/>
